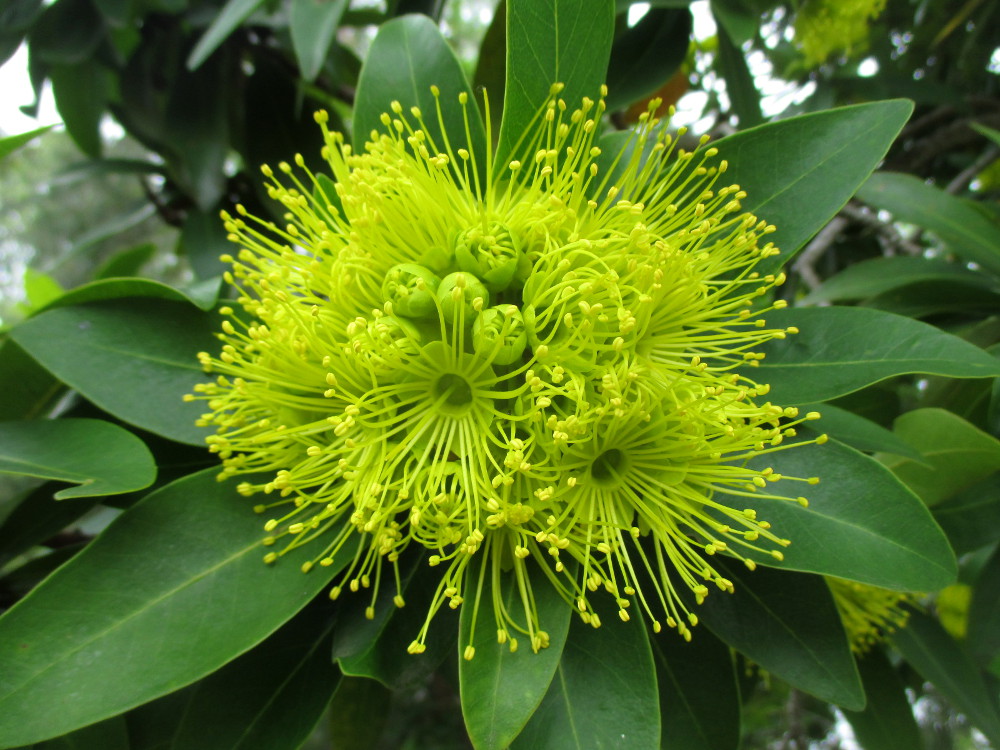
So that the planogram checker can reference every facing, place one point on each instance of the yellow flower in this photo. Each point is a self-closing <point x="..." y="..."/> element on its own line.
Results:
<point x="506" y="364"/>
<point x="869" y="613"/>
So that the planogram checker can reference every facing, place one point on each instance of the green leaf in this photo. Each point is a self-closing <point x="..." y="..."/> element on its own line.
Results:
<point x="941" y="660"/>
<point x="956" y="454"/>
<point x="35" y="519"/>
<point x="126" y="263"/>
<point x="203" y="240"/>
<point x="788" y="624"/>
<point x="798" y="173"/>
<point x="170" y="592"/>
<point x="925" y="299"/>
<point x="736" y="19"/>
<point x="500" y="690"/>
<point x="858" y="432"/>
<point x="125" y="288"/>
<point x="102" y="458"/>
<point x="81" y="94"/>
<point x="12" y="143"/>
<point x="743" y="95"/>
<point x="604" y="691"/>
<point x="699" y="697"/>
<point x="971" y="519"/>
<point x="234" y="13"/>
<point x="134" y="358"/>
<point x="110" y="734"/>
<point x="870" y="278"/>
<point x="983" y="634"/>
<point x="408" y="56"/>
<point x="360" y="714"/>
<point x="67" y="33"/>
<point x="961" y="226"/>
<point x="548" y="42"/>
<point x="490" y="67"/>
<point x="993" y="135"/>
<point x="839" y="350"/>
<point x="899" y="547"/>
<point x="29" y="389"/>
<point x="270" y="698"/>
<point x="314" y="25"/>
<point x="645" y="56"/>
<point x="887" y="722"/>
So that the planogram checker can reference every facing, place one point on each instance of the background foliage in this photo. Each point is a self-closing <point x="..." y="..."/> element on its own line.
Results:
<point x="163" y="630"/>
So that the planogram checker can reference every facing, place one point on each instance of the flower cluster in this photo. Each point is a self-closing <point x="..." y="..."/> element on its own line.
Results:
<point x="538" y="362"/>
<point x="823" y="27"/>
<point x="869" y="613"/>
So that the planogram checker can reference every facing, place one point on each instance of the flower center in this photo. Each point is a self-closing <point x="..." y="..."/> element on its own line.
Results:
<point x="608" y="468"/>
<point x="457" y="393"/>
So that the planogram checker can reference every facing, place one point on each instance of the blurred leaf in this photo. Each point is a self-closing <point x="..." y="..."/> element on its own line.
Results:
<point x="582" y="31"/>
<point x="983" y="633"/>
<point x="234" y="13"/>
<point x="408" y="56"/>
<point x="203" y="240"/>
<point x="645" y="56"/>
<point x="126" y="263"/>
<point x="798" y="173"/>
<point x="359" y="713"/>
<point x="110" y="734"/>
<point x="743" y="95"/>
<point x="857" y="432"/>
<point x="870" y="278"/>
<point x="699" y="697"/>
<point x="941" y="660"/>
<point x="119" y="288"/>
<point x="887" y="722"/>
<point x="12" y="143"/>
<point x="19" y="581"/>
<point x="843" y="349"/>
<point x="788" y="624"/>
<point x="115" y="12"/>
<point x="100" y="457"/>
<point x="956" y="454"/>
<point x="737" y="20"/>
<point x="37" y="518"/>
<point x="40" y="289"/>
<point x="67" y="33"/>
<point x="924" y="299"/>
<point x="16" y="17"/>
<point x="313" y="25"/>
<point x="900" y="547"/>
<point x="134" y="358"/>
<point x="971" y="518"/>
<point x="490" y="67"/>
<point x="500" y="690"/>
<point x="170" y="592"/>
<point x="81" y="94"/>
<point x="29" y="389"/>
<point x="993" y="135"/>
<point x="604" y="692"/>
<point x="960" y="225"/>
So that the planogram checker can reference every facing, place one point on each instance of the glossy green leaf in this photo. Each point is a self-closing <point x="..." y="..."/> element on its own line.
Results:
<point x="604" y="692"/>
<point x="500" y="690"/>
<point x="99" y="457"/>
<point x="645" y="56"/>
<point x="898" y="547"/>
<point x="798" y="173"/>
<point x="971" y="519"/>
<point x="234" y="13"/>
<point x="699" y="697"/>
<point x="941" y="660"/>
<point x="170" y="592"/>
<point x="270" y="698"/>
<point x="81" y="94"/>
<point x="126" y="263"/>
<point x="134" y="358"/>
<point x="313" y="26"/>
<point x="983" y="634"/>
<point x="12" y="143"/>
<point x="29" y="389"/>
<point x="408" y="56"/>
<point x="956" y="454"/>
<point x="858" y="432"/>
<point x="110" y="734"/>
<point x="843" y="349"/>
<point x="887" y="722"/>
<point x="124" y="288"/>
<point x="961" y="226"/>
<point x="548" y="42"/>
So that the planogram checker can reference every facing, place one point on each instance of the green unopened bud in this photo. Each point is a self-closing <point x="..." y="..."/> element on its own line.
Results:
<point x="463" y="289"/>
<point x="493" y="256"/>
<point x="411" y="289"/>
<point x="499" y="334"/>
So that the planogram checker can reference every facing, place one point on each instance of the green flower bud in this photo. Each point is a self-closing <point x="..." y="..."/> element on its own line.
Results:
<point x="499" y="334"/>
<point x="465" y="289"/>
<point x="411" y="288"/>
<point x="494" y="256"/>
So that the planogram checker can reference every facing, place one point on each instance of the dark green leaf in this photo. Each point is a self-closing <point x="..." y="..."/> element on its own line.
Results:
<point x="25" y="576"/>
<point x="843" y="349"/>
<point x="203" y="240"/>
<point x="788" y="624"/>
<point x="29" y="389"/>
<point x="967" y="231"/>
<point x="67" y="33"/>
<point x="36" y="518"/>
<point x="743" y="96"/>
<point x="799" y="172"/>
<point x="134" y="358"/>
<point x="12" y="143"/>
<point x="971" y="519"/>
<point x="899" y="547"/>
<point x="120" y="289"/>
<point x="490" y="68"/>
<point x="100" y="457"/>
<point x="314" y="25"/>
<point x="548" y="42"/>
<point x="170" y="592"/>
<point x="115" y="12"/>
<point x="81" y="93"/>
<point x="16" y="17"/>
<point x="925" y="299"/>
<point x="500" y="690"/>
<point x="699" y="697"/>
<point x="110" y="734"/>
<point x="858" y="432"/>
<point x="645" y="56"/>
<point x="358" y="713"/>
<point x="737" y="20"/>
<point x="939" y="659"/>
<point x="993" y="135"/>
<point x="983" y="635"/>
<point x="604" y="691"/>
<point x="230" y="17"/>
<point x="887" y="722"/>
<point x="956" y="455"/>
<point x="408" y="56"/>
<point x="126" y="263"/>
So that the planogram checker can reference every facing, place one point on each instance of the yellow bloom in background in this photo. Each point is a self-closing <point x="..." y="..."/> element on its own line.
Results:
<point x="522" y="364"/>
<point x="825" y="27"/>
<point x="869" y="613"/>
